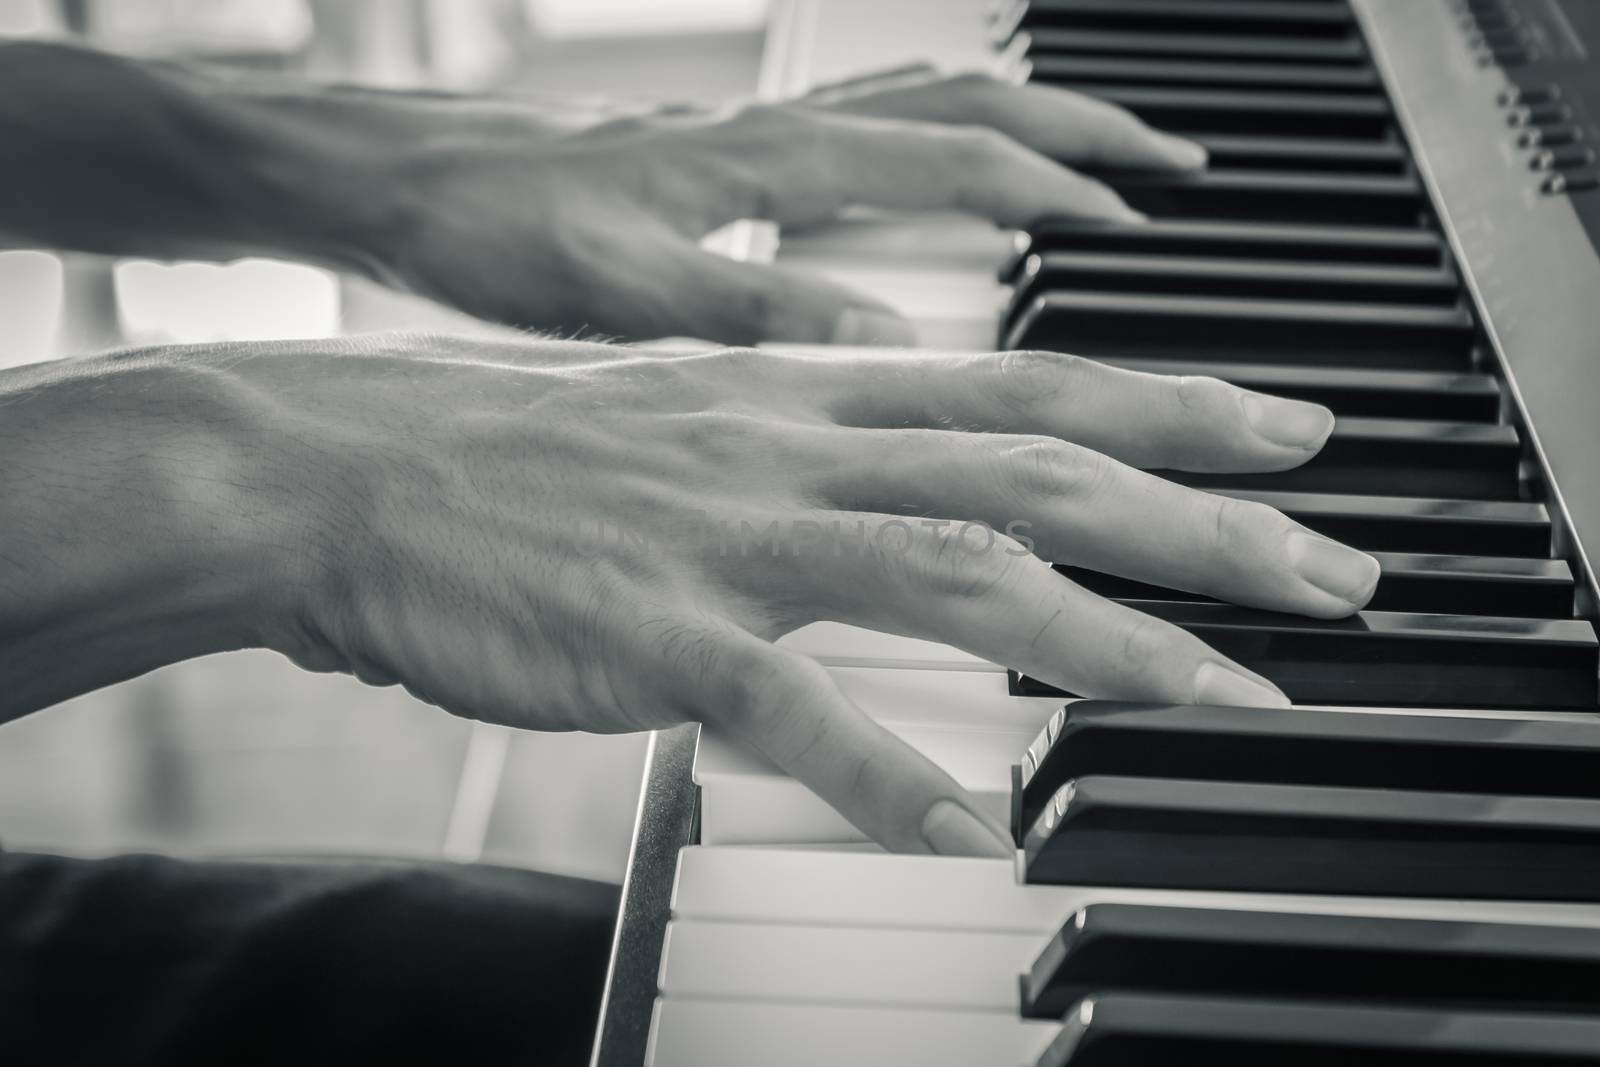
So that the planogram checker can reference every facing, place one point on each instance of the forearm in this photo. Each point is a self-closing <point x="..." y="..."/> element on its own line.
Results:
<point x="133" y="533"/>
<point x="109" y="155"/>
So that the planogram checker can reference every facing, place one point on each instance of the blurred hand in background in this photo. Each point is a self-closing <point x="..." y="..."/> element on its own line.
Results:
<point x="532" y="218"/>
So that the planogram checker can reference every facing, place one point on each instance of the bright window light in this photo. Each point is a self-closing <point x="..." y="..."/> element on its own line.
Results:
<point x="29" y="18"/>
<point x="203" y="25"/>
<point x="251" y="300"/>
<point x="628" y="18"/>
<point x="30" y="306"/>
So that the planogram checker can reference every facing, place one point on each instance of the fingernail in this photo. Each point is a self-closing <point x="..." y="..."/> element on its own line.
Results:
<point x="1334" y="568"/>
<point x="865" y="326"/>
<point x="952" y="830"/>
<point x="1217" y="683"/>
<point x="1184" y="152"/>
<point x="1288" y="423"/>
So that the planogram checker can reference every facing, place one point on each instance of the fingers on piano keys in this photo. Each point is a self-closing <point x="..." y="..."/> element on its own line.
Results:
<point x="1306" y="887"/>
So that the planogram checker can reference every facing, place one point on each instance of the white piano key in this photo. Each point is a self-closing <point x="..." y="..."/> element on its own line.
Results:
<point x="823" y="887"/>
<point x="837" y="644"/>
<point x="962" y="720"/>
<point x="847" y="39"/>
<point x="746" y="800"/>
<point x="954" y="246"/>
<point x="726" y="1033"/>
<point x="845" y="965"/>
<point x="968" y="699"/>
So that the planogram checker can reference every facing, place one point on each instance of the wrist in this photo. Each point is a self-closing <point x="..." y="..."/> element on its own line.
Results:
<point x="141" y="525"/>
<point x="312" y="172"/>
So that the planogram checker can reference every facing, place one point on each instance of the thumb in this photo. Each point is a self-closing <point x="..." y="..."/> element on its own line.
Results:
<point x="746" y="303"/>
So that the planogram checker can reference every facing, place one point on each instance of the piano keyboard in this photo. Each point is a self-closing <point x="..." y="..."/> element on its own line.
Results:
<point x="1406" y="867"/>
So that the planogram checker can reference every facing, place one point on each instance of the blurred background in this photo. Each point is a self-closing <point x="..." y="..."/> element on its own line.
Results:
<point x="242" y="754"/>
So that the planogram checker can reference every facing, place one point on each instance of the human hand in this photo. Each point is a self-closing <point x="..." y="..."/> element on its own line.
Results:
<point x="595" y="230"/>
<point x="550" y="535"/>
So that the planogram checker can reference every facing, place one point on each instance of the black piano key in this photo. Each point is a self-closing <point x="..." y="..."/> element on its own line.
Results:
<point x="1184" y="16"/>
<point x="1040" y="39"/>
<point x="1143" y="272"/>
<point x="1146" y="1030"/>
<point x="1412" y="582"/>
<point x="1167" y="833"/>
<point x="1188" y="237"/>
<point x="1085" y="69"/>
<point x="1402" y="457"/>
<point x="1349" y="392"/>
<point x="1396" y="336"/>
<point x="1395" y="659"/>
<point x="1305" y="154"/>
<point x="1401" y="962"/>
<point x="1458" y="754"/>
<point x="1198" y="111"/>
<point x="1416" y="524"/>
<point x="1275" y="196"/>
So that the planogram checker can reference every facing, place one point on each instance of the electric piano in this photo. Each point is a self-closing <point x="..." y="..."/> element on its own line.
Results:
<point x="1399" y="221"/>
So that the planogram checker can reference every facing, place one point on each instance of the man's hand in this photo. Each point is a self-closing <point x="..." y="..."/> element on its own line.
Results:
<point x="571" y="536"/>
<point x="598" y="229"/>
<point x="537" y="220"/>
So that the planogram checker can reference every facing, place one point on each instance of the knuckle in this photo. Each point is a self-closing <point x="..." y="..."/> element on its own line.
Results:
<point x="765" y="690"/>
<point x="722" y="436"/>
<point x="727" y="365"/>
<point x="1199" y="394"/>
<point x="1022" y="380"/>
<point x="973" y="93"/>
<point x="1142" y="642"/>
<point x="1049" y="467"/>
<point x="750" y="682"/>
<point x="954" y="564"/>
<point x="981" y="147"/>
<point x="1239" y="524"/>
<point x="739" y="358"/>
<point x="666" y="380"/>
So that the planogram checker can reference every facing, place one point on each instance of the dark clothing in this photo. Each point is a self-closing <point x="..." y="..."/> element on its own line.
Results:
<point x="141" y="960"/>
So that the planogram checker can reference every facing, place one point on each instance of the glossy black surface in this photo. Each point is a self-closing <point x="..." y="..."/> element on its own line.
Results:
<point x="1147" y="1030"/>
<point x="1249" y="837"/>
<point x="1299" y="115"/>
<point x="1353" y="391"/>
<point x="1387" y="751"/>
<point x="1083" y="70"/>
<point x="1250" y="16"/>
<point x="1411" y="582"/>
<point x="1234" y="276"/>
<point x="1308" y="155"/>
<point x="1403" y="457"/>
<point x="1041" y="38"/>
<point x="1417" y="525"/>
<point x="1276" y="196"/>
<point x="1396" y="659"/>
<point x="1399" y="337"/>
<point x="1126" y="947"/>
<point x="1189" y="237"/>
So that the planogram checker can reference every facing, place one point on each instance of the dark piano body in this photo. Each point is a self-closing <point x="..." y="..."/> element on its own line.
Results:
<point x="1349" y="246"/>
